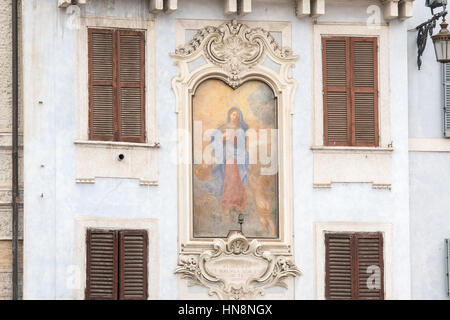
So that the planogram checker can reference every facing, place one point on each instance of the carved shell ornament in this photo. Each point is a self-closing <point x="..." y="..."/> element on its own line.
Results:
<point x="236" y="269"/>
<point x="234" y="47"/>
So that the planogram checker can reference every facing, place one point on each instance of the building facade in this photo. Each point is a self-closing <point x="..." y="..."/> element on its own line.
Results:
<point x="341" y="185"/>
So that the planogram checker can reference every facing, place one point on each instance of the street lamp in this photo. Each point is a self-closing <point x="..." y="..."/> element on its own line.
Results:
<point x="441" y="40"/>
<point x="442" y="43"/>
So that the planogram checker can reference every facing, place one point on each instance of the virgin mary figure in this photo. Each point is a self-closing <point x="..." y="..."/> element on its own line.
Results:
<point x="230" y="172"/>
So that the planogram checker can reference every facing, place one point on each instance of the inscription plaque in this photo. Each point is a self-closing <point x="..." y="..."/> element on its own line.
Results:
<point x="236" y="268"/>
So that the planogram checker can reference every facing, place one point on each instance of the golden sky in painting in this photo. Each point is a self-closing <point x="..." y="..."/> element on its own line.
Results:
<point x="214" y="98"/>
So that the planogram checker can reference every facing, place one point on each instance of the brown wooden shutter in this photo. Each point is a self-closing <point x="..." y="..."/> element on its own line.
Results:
<point x="350" y="84"/>
<point x="338" y="266"/>
<point x="133" y="264"/>
<point x="101" y="84"/>
<point x="350" y="259"/>
<point x="101" y="265"/>
<point x="369" y="259"/>
<point x="364" y="91"/>
<point x="116" y="85"/>
<point x="336" y="91"/>
<point x="131" y="86"/>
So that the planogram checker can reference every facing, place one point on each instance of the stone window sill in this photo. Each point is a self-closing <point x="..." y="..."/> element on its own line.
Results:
<point x="352" y="165"/>
<point x="351" y="149"/>
<point x="117" y="144"/>
<point x="121" y="160"/>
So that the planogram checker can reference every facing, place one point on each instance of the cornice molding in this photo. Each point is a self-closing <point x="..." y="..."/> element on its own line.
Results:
<point x="392" y="9"/>
<point x="155" y="6"/>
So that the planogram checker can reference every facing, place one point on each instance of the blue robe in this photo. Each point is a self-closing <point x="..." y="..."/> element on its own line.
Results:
<point x="226" y="149"/>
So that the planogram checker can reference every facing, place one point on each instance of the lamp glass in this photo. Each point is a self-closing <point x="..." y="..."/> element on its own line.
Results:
<point x="442" y="49"/>
<point x="439" y="48"/>
<point x="441" y="43"/>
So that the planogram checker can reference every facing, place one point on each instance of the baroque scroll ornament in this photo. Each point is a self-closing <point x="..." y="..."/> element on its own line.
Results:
<point x="234" y="47"/>
<point x="236" y="269"/>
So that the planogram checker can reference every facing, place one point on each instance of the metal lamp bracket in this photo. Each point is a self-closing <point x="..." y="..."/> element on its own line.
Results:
<point x="426" y="29"/>
<point x="66" y="3"/>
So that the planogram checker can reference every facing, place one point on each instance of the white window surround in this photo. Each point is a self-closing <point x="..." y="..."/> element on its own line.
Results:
<point x="78" y="270"/>
<point x="429" y="145"/>
<point x="320" y="228"/>
<point x="140" y="160"/>
<point x="368" y="164"/>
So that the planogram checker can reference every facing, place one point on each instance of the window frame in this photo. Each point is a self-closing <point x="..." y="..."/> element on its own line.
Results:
<point x="142" y="158"/>
<point x="82" y="79"/>
<point x="82" y="224"/>
<point x="385" y="228"/>
<point x="382" y="33"/>
<point x="369" y="164"/>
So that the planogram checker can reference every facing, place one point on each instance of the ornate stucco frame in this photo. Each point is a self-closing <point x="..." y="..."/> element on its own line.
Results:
<point x="190" y="75"/>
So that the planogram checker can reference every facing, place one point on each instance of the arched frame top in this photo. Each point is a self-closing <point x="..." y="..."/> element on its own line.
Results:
<point x="213" y="73"/>
<point x="234" y="53"/>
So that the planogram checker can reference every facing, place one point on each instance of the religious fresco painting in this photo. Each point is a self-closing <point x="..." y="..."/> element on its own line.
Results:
<point x="235" y="170"/>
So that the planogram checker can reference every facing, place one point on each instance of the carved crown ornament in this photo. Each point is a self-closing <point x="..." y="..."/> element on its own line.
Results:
<point x="235" y="48"/>
<point x="236" y="269"/>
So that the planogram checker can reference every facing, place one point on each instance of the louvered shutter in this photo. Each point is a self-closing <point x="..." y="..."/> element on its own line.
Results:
<point x="354" y="266"/>
<point x="116" y="85"/>
<point x="350" y="82"/>
<point x="101" y="265"/>
<point x="133" y="265"/>
<point x="338" y="266"/>
<point x="101" y="84"/>
<point x="369" y="262"/>
<point x="446" y="68"/>
<point x="336" y="91"/>
<point x="364" y="91"/>
<point x="447" y="246"/>
<point x="131" y="86"/>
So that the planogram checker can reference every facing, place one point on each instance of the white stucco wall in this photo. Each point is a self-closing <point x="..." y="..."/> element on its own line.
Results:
<point x="53" y="200"/>
<point x="429" y="171"/>
<point x="430" y="225"/>
<point x="425" y="85"/>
